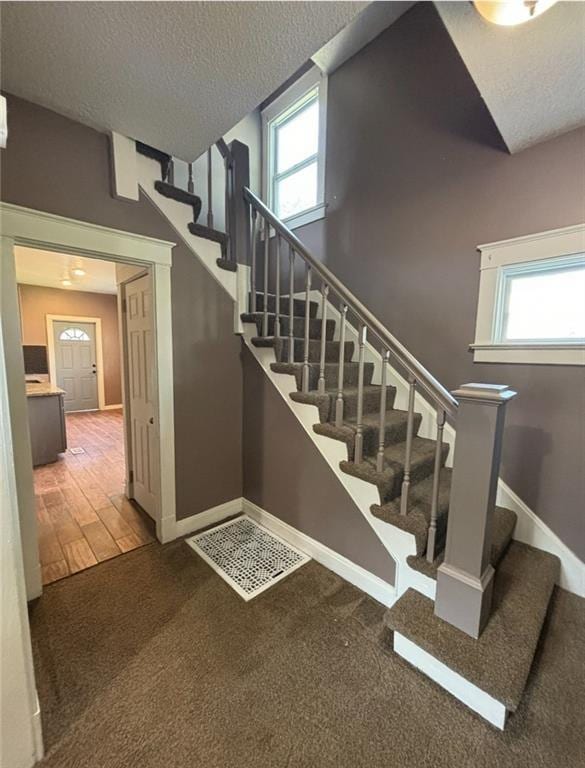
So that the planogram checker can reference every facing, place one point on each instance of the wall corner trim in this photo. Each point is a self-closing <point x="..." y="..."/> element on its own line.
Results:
<point x="365" y="580"/>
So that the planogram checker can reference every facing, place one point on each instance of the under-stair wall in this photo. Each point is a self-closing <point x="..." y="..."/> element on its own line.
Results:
<point x="285" y="474"/>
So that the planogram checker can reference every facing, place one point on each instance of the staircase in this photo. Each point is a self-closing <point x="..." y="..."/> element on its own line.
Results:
<point x="470" y="602"/>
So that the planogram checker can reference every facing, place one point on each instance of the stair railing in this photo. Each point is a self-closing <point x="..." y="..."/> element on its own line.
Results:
<point x="368" y="326"/>
<point x="464" y="578"/>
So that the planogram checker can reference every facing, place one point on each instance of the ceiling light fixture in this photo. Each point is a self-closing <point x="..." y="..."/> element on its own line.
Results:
<point x="78" y="271"/>
<point x="66" y="281"/>
<point x="509" y="13"/>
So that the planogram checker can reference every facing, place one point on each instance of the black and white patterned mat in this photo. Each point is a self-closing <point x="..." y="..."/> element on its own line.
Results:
<point x="247" y="556"/>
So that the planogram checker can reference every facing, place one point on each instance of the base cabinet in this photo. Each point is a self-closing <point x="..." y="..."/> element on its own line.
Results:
<point x="48" y="435"/>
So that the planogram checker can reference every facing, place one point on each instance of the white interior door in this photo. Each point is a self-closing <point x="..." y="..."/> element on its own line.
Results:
<point x="75" y="363"/>
<point x="141" y="392"/>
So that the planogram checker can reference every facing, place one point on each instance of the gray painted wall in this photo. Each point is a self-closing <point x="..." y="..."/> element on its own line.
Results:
<point x="56" y="165"/>
<point x="286" y="475"/>
<point x="417" y="177"/>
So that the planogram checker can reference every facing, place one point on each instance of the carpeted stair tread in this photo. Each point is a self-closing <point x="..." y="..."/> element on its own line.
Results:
<point x="326" y="402"/>
<point x="394" y="429"/>
<point x="350" y="373"/>
<point x="417" y="519"/>
<point x="503" y="528"/>
<point x="298" y="325"/>
<point x="200" y="230"/>
<point x="227" y="264"/>
<point x="298" y="305"/>
<point x="181" y="195"/>
<point x="281" y="345"/>
<point x="154" y="154"/>
<point x="499" y="661"/>
<point x="389" y="481"/>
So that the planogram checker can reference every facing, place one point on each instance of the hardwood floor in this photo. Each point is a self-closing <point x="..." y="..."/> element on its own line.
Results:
<point x="83" y="515"/>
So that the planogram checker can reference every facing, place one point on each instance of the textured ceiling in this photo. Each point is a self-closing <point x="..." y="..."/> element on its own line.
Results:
<point x="531" y="77"/>
<point x="363" y="29"/>
<point x="47" y="268"/>
<point x="175" y="75"/>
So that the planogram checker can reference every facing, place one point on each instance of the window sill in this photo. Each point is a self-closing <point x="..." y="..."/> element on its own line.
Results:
<point x="530" y="354"/>
<point x="306" y="217"/>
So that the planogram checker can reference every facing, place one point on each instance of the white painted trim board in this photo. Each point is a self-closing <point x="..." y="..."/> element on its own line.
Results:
<point x="469" y="694"/>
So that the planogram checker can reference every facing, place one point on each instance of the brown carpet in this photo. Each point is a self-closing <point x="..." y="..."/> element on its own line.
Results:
<point x="151" y="660"/>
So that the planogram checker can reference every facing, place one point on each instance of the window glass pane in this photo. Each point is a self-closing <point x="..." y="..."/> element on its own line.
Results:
<point x="546" y="305"/>
<point x="73" y="334"/>
<point x="297" y="138"/>
<point x="297" y="192"/>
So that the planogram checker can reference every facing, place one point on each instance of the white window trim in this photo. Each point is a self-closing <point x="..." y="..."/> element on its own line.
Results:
<point x="307" y="82"/>
<point x="495" y="258"/>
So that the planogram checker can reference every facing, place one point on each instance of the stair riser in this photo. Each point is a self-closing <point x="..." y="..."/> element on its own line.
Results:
<point x="371" y="403"/>
<point x="393" y="433"/>
<point x="174" y="193"/>
<point x="390" y="487"/>
<point x="350" y="374"/>
<point x="331" y="350"/>
<point x="419" y="470"/>
<point x="299" y="305"/>
<point x="298" y="327"/>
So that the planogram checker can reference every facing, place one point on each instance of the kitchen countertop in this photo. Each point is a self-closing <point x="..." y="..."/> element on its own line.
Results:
<point x="43" y="390"/>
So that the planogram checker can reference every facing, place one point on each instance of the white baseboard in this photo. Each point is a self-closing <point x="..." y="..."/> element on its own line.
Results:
<point x="531" y="530"/>
<point x="111" y="407"/>
<point x="469" y="694"/>
<point x="369" y="583"/>
<point x="209" y="516"/>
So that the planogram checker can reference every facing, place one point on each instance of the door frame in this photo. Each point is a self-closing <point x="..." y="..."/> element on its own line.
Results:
<point x="99" y="351"/>
<point x="46" y="231"/>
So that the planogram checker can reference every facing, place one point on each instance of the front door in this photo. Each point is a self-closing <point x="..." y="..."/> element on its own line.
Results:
<point x="141" y="394"/>
<point x="75" y="362"/>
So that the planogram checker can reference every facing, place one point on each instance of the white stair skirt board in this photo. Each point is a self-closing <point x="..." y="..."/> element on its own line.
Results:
<point x="469" y="694"/>
<point x="247" y="556"/>
<point x="372" y="585"/>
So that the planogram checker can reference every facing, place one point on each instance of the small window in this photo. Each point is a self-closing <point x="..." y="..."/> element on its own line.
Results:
<point x="73" y="334"/>
<point x="294" y="150"/>
<point x="531" y="303"/>
<point x="543" y="302"/>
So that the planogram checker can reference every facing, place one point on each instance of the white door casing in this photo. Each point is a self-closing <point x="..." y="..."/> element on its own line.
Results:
<point x="141" y="394"/>
<point x="76" y="366"/>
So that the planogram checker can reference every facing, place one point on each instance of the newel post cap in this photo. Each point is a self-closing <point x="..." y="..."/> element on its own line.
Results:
<point x="495" y="394"/>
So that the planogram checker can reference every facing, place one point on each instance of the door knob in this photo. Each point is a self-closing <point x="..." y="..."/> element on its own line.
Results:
<point x="151" y="420"/>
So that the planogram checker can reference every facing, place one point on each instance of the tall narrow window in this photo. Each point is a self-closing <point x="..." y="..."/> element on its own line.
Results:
<point x="294" y="156"/>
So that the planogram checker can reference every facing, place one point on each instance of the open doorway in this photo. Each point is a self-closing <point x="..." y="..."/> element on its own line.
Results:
<point x="87" y="335"/>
